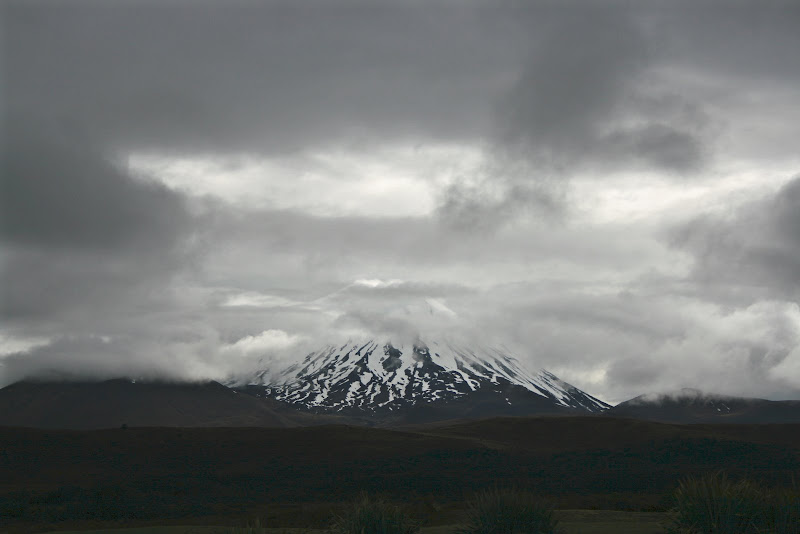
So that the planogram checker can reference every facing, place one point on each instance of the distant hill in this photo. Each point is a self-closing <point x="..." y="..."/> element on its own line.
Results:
<point x="694" y="406"/>
<point x="113" y="403"/>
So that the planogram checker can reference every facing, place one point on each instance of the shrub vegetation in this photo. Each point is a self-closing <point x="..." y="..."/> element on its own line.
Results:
<point x="251" y="528"/>
<point x="714" y="503"/>
<point x="373" y="515"/>
<point x="508" y="511"/>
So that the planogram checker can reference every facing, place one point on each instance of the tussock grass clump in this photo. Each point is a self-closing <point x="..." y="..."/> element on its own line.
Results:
<point x="716" y="504"/>
<point x="508" y="511"/>
<point x="782" y="513"/>
<point x="255" y="528"/>
<point x="371" y="515"/>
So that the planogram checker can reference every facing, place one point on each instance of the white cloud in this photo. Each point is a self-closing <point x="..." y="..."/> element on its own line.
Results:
<point x="377" y="283"/>
<point x="263" y="343"/>
<point x="257" y="300"/>
<point x="11" y="344"/>
<point x="397" y="180"/>
<point x="788" y="371"/>
<point x="440" y="307"/>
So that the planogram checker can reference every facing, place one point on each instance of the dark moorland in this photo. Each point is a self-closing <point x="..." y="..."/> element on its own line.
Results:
<point x="60" y="479"/>
<point x="112" y="403"/>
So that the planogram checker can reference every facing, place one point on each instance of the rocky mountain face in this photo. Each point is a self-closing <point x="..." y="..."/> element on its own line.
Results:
<point x="420" y="383"/>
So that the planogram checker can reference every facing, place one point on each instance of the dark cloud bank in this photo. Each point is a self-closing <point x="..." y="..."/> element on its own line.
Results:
<point x="107" y="271"/>
<point x="757" y="246"/>
<point x="78" y="229"/>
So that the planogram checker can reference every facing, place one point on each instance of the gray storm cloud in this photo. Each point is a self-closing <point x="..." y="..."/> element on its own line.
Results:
<point x="62" y="191"/>
<point x="613" y="202"/>
<point x="756" y="246"/>
<point x="79" y="230"/>
<point x="254" y="78"/>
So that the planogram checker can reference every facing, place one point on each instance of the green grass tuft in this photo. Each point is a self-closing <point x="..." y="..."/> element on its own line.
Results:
<point x="508" y="511"/>
<point x="371" y="515"/>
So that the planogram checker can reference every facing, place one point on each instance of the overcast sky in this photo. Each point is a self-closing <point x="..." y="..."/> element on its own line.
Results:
<point x="612" y="193"/>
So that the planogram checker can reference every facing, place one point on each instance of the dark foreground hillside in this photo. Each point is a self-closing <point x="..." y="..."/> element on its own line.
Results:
<point x="56" y="478"/>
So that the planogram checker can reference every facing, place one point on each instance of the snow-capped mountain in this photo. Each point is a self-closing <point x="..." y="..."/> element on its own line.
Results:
<point x="376" y="378"/>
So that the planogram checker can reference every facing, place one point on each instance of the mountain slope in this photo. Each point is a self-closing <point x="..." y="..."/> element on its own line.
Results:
<point x="694" y="406"/>
<point x="420" y="382"/>
<point x="112" y="403"/>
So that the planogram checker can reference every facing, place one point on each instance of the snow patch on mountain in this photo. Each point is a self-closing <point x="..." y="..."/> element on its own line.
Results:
<point x="372" y="375"/>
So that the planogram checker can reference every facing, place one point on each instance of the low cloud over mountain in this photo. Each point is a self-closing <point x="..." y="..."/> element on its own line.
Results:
<point x="195" y="191"/>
